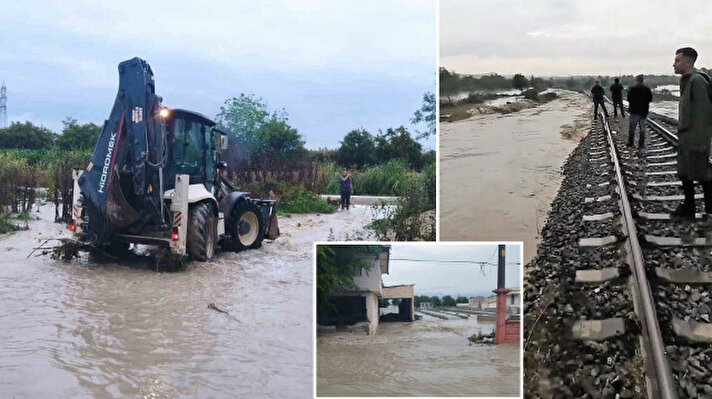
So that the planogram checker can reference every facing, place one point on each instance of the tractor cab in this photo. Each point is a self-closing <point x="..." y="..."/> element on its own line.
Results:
<point x="196" y="143"/>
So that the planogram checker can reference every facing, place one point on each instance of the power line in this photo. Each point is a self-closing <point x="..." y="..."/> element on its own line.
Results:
<point x="475" y="262"/>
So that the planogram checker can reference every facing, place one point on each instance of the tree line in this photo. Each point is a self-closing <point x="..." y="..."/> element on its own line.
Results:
<point x="452" y="82"/>
<point x="446" y="301"/>
<point x="27" y="136"/>
<point x="261" y="140"/>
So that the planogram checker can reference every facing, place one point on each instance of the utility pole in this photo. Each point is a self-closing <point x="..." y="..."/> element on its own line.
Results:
<point x="500" y="332"/>
<point x="3" y="106"/>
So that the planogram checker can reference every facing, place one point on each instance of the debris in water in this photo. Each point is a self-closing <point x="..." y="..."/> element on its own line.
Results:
<point x="66" y="251"/>
<point x="167" y="261"/>
<point x="214" y="307"/>
<point x="480" y="338"/>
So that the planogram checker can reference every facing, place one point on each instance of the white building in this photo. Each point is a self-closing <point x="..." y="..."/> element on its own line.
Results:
<point x="360" y="306"/>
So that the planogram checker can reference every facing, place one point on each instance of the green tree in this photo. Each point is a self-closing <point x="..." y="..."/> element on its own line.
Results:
<point x="279" y="146"/>
<point x="336" y="266"/>
<point x="426" y="114"/>
<point x="77" y="136"/>
<point x="398" y="143"/>
<point x="241" y="117"/>
<point x="429" y="157"/>
<point x="435" y="300"/>
<point x="26" y="136"/>
<point x="417" y="299"/>
<point x="519" y="82"/>
<point x="538" y="84"/>
<point x="448" y="301"/>
<point x="356" y="150"/>
<point x="462" y="299"/>
<point x="570" y="83"/>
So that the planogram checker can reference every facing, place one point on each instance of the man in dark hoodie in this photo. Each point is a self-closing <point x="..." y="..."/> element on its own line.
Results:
<point x="597" y="92"/>
<point x="639" y="98"/>
<point x="617" y="97"/>
<point x="694" y="130"/>
<point x="347" y="189"/>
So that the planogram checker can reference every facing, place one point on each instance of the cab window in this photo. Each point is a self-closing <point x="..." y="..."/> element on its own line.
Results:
<point x="188" y="147"/>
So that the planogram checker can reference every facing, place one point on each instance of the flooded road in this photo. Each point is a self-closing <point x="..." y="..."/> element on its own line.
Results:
<point x="499" y="173"/>
<point x="428" y="357"/>
<point x="114" y="330"/>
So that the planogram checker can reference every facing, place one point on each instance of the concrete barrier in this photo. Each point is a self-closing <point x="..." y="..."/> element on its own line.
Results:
<point x="362" y="199"/>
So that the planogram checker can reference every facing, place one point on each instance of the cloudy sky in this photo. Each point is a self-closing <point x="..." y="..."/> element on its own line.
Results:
<point x="427" y="266"/>
<point x="564" y="37"/>
<point x="334" y="66"/>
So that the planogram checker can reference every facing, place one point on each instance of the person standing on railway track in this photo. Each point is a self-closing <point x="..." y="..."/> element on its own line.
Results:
<point x="617" y="97"/>
<point x="347" y="189"/>
<point x="694" y="129"/>
<point x="639" y="98"/>
<point x="597" y="93"/>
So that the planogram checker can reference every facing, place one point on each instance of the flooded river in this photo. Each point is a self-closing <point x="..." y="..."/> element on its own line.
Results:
<point x="428" y="357"/>
<point x="74" y="330"/>
<point x="499" y="173"/>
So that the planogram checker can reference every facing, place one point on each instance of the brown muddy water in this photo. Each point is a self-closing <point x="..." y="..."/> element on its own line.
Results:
<point x="499" y="173"/>
<point x="428" y="357"/>
<point x="82" y="329"/>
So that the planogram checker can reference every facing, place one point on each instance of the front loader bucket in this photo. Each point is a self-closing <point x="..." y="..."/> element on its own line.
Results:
<point x="269" y="214"/>
<point x="272" y="230"/>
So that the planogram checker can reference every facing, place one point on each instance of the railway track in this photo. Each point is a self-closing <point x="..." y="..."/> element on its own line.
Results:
<point x="618" y="298"/>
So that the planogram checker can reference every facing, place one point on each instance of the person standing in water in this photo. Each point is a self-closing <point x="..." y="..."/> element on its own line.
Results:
<point x="347" y="189"/>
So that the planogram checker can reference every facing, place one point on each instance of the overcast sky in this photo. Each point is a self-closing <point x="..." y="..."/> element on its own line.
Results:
<point x="334" y="66"/>
<point x="436" y="277"/>
<point x="564" y="37"/>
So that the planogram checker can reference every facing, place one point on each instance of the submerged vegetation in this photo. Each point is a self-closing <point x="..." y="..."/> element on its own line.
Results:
<point x="24" y="171"/>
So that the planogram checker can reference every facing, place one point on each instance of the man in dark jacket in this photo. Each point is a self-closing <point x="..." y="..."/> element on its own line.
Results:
<point x="694" y="129"/>
<point x="617" y="97"/>
<point x="346" y="190"/>
<point x="597" y="92"/>
<point x="639" y="98"/>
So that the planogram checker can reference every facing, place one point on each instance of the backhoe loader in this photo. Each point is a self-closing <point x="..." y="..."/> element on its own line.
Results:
<point x="156" y="177"/>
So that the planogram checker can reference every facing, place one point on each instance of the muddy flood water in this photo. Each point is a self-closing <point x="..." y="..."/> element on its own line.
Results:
<point x="428" y="357"/>
<point x="499" y="173"/>
<point x="82" y="329"/>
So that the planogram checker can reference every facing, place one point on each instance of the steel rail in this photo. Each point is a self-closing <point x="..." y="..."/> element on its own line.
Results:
<point x="670" y="136"/>
<point x="651" y="327"/>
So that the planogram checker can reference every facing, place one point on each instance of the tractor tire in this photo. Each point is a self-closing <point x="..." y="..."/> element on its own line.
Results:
<point x="246" y="227"/>
<point x="202" y="232"/>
